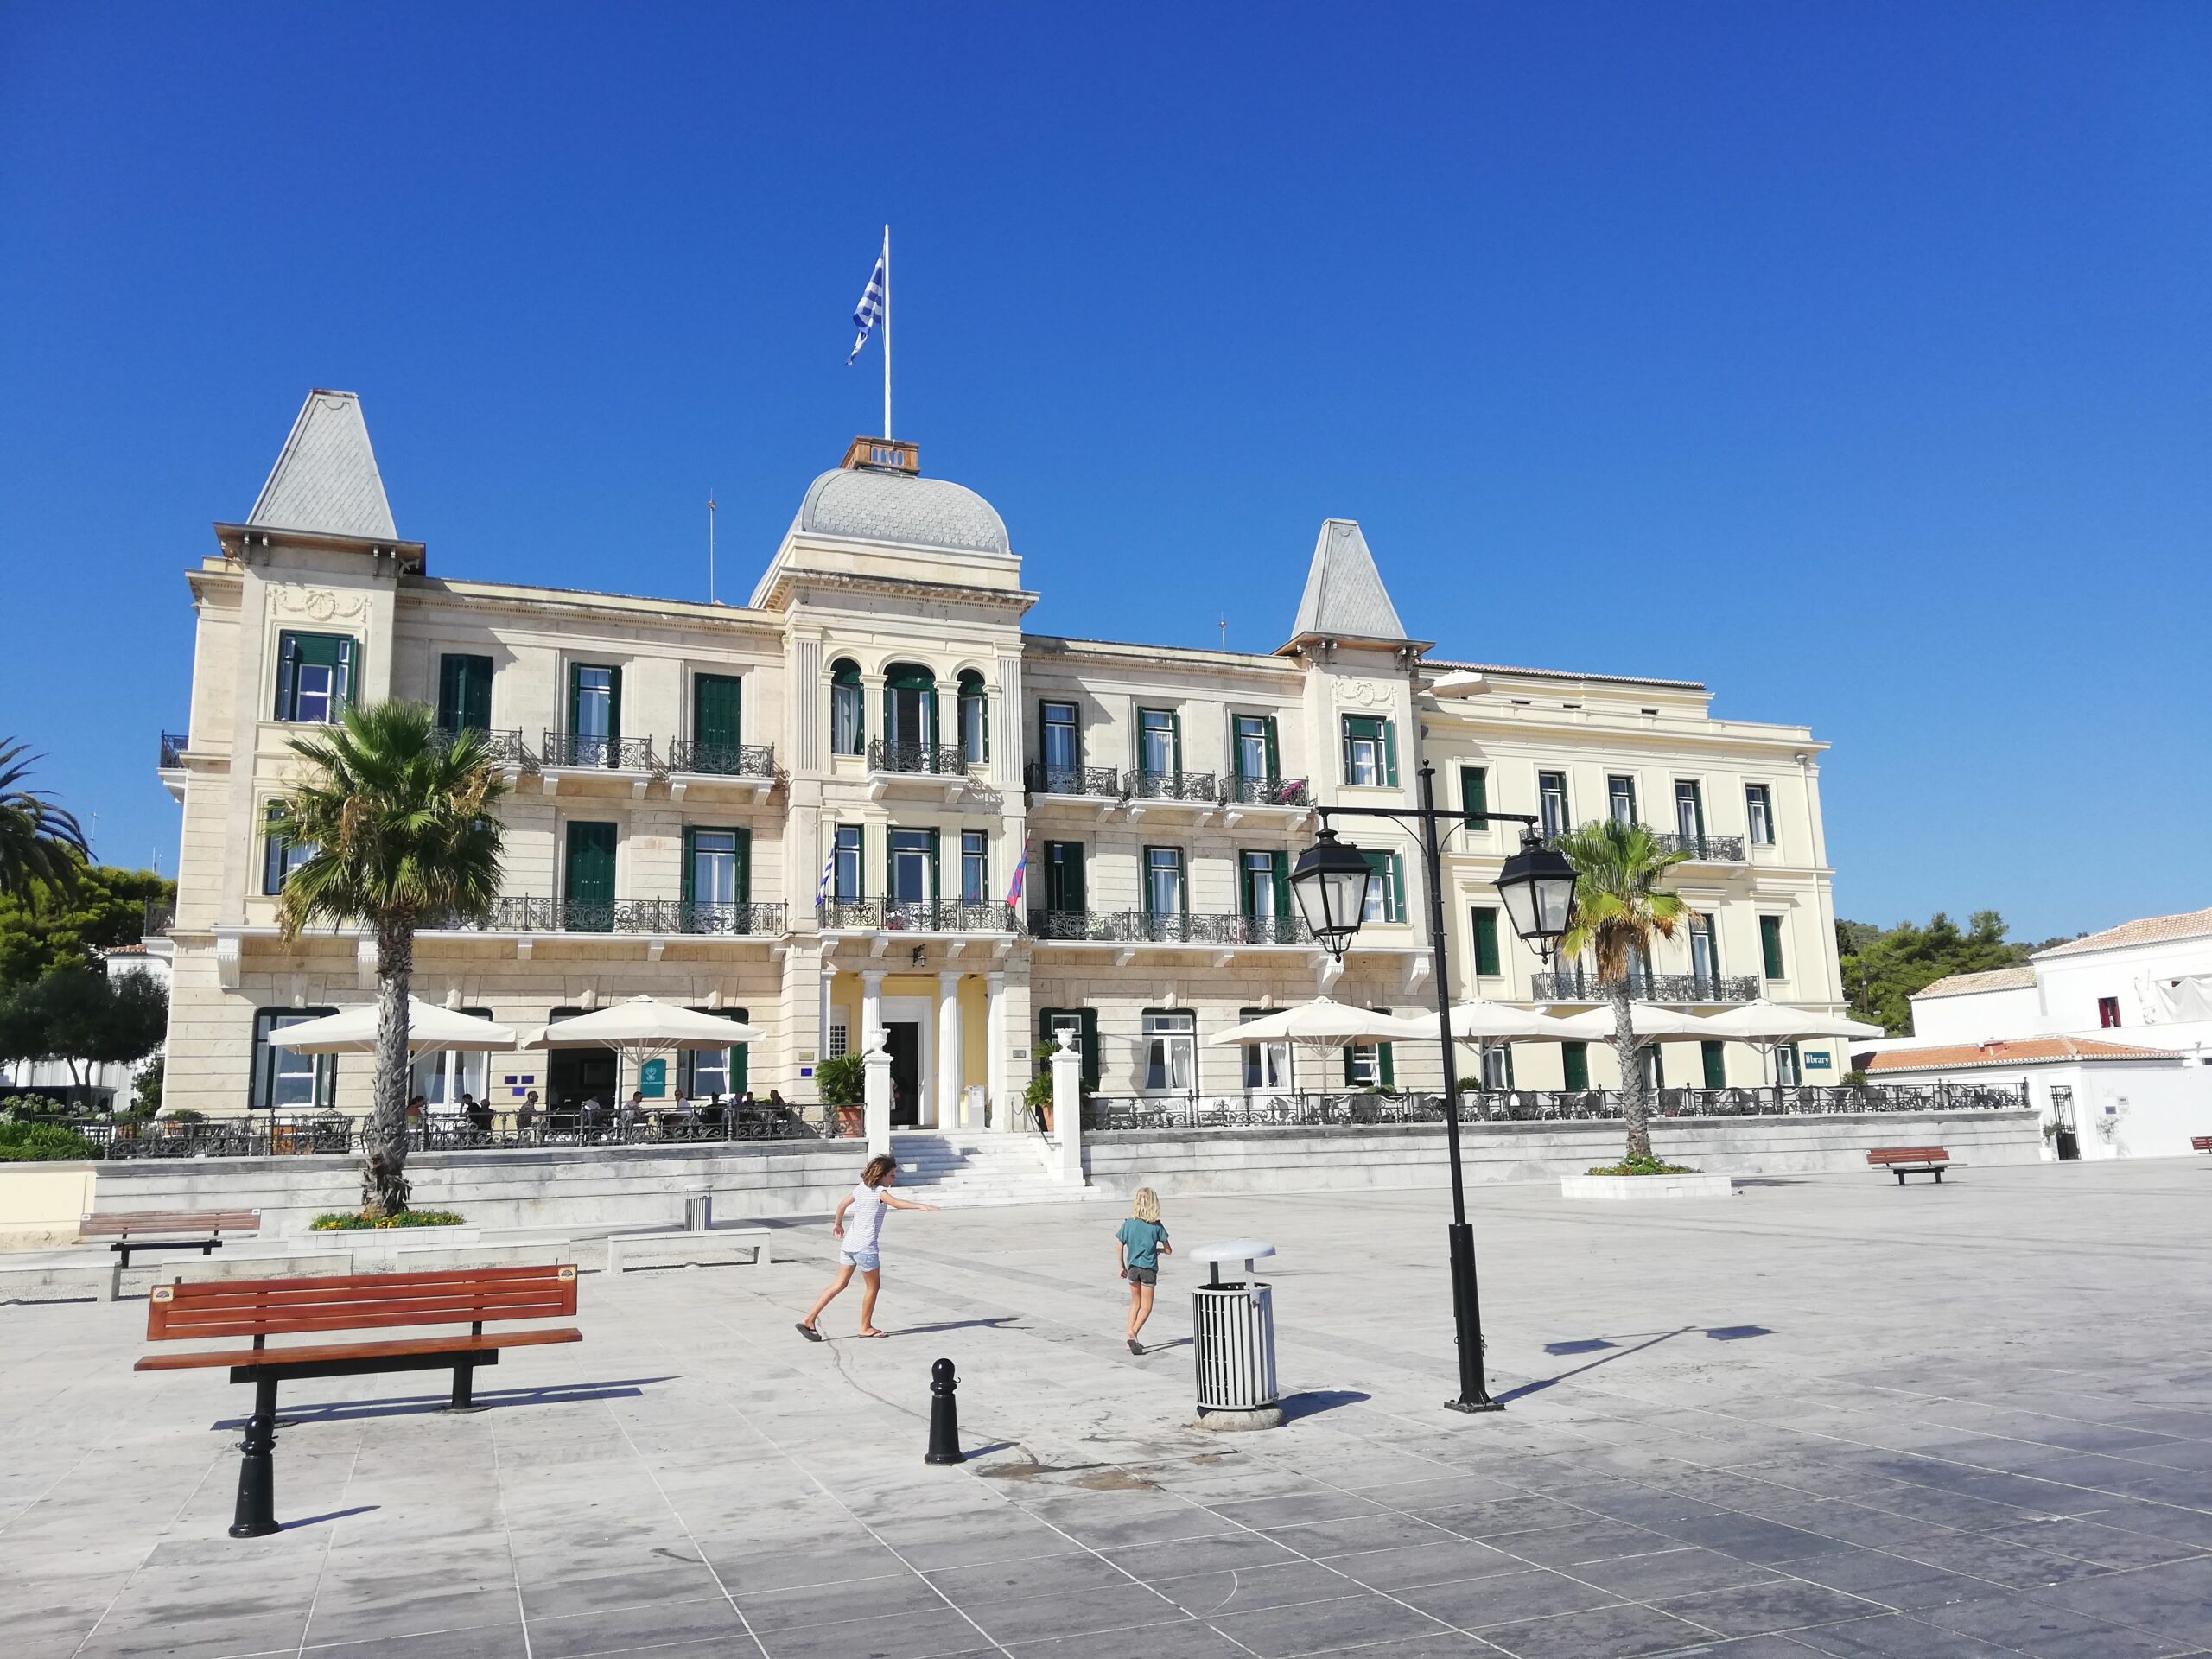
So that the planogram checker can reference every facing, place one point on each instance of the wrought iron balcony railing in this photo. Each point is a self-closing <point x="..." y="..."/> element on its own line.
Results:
<point x="1101" y="782"/>
<point x="174" y="744"/>
<point x="942" y="759"/>
<point x="1142" y="927"/>
<point x="722" y="759"/>
<point x="158" y="918"/>
<point x="915" y="916"/>
<point x="1265" y="792"/>
<point x="505" y="746"/>
<point x="524" y="914"/>
<point x="1197" y="786"/>
<point x="609" y="754"/>
<point x="1574" y="985"/>
<point x="1706" y="849"/>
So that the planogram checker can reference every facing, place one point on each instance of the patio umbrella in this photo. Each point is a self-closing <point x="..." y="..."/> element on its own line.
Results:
<point x="645" y="1025"/>
<point x="1768" y="1026"/>
<point x="1646" y="1020"/>
<point x="429" y="1028"/>
<point x="1482" y="1025"/>
<point x="1321" y="1024"/>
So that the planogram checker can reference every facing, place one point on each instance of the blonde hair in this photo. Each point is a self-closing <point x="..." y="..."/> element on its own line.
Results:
<point x="876" y="1168"/>
<point x="1145" y="1206"/>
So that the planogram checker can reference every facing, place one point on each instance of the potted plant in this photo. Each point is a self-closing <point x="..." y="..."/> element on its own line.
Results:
<point x="842" y="1081"/>
<point x="1038" y="1097"/>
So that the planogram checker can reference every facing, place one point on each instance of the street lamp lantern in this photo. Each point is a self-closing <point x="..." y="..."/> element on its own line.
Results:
<point x="1537" y="884"/>
<point x="1331" y="882"/>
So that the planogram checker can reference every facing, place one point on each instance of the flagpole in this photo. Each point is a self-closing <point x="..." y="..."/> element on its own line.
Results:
<point x="887" y="334"/>
<point x="710" y="547"/>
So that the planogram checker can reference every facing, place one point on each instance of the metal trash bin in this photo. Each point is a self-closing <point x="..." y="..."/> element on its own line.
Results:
<point x="1233" y="1331"/>
<point x="699" y="1213"/>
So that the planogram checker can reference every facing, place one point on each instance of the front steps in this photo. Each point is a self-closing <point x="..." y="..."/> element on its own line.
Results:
<point x="975" y="1167"/>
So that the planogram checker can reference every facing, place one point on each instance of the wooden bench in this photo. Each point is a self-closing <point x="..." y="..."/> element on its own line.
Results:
<point x="2200" y="1143"/>
<point x="168" y="1230"/>
<point x="262" y="1308"/>
<point x="1902" y="1161"/>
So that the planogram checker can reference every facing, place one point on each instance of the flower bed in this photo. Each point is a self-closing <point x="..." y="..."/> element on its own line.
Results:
<point x="342" y="1220"/>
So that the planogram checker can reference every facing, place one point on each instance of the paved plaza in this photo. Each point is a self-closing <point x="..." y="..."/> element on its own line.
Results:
<point x="1827" y="1417"/>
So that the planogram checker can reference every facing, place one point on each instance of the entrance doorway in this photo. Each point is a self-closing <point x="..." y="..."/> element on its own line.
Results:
<point x="902" y="1040"/>
<point x="574" y="1076"/>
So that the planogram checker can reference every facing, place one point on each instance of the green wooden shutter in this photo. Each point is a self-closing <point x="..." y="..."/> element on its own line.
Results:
<point x="1397" y="880"/>
<point x="1282" y="886"/>
<point x="1770" y="946"/>
<point x="690" y="852"/>
<point x="464" y="693"/>
<point x="1485" y="935"/>
<point x="1384" y="1070"/>
<point x="345" y="670"/>
<point x="1389" y="752"/>
<point x="937" y="889"/>
<point x="716" y="707"/>
<point x="744" y="866"/>
<point x="1274" y="767"/>
<point x="576" y="694"/>
<point x="287" y="663"/>
<point x="1716" y="1070"/>
<point x="740" y="1054"/>
<point x="1474" y="795"/>
<point x="1574" y="1064"/>
<point x="614" y="710"/>
<point x="1175" y="739"/>
<point x="1345" y="734"/>
<point x="1090" y="1055"/>
<point x="590" y="876"/>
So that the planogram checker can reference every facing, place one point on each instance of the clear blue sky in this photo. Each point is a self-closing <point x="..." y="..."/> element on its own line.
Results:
<point x="1854" y="360"/>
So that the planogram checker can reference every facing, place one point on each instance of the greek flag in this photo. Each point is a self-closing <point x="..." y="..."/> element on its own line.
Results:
<point x="829" y="875"/>
<point x="870" y="308"/>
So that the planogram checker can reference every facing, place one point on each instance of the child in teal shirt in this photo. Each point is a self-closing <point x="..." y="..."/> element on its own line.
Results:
<point x="1141" y="1241"/>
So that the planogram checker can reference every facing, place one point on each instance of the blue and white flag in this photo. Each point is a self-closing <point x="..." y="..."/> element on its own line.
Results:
<point x="829" y="875"/>
<point x="870" y="308"/>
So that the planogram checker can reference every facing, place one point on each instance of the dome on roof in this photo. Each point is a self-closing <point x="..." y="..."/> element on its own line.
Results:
<point x="869" y="504"/>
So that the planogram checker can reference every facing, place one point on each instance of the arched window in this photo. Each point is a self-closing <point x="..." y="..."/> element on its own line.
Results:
<point x="847" y="723"/>
<point x="909" y="707"/>
<point x="975" y="719"/>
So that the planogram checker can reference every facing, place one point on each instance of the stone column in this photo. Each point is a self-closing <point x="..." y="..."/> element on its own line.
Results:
<point x="871" y="1010"/>
<point x="1067" y="1112"/>
<point x="949" y="1069"/>
<point x="995" y="1081"/>
<point x="876" y="1063"/>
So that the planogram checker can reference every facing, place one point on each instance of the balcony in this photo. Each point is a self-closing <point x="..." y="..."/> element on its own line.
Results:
<point x="1266" y="792"/>
<point x="913" y="916"/>
<point x="157" y="917"/>
<point x="1142" y="927"/>
<point x="174" y="744"/>
<point x="935" y="759"/>
<point x="1575" y="986"/>
<point x="574" y="750"/>
<point x="1704" y="849"/>
<point x="722" y="759"/>
<point x="505" y="748"/>
<point x="1100" y="784"/>
<point x="1195" y="789"/>
<point x="661" y="916"/>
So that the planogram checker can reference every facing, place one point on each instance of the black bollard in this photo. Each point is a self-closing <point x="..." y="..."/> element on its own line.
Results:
<point x="945" y="1415"/>
<point x="255" y="1514"/>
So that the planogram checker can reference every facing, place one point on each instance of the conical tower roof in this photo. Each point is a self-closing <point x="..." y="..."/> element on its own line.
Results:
<point x="326" y="481"/>
<point x="1345" y="598"/>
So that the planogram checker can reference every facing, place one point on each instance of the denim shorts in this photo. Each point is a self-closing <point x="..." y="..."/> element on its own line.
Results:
<point x="1144" y="1276"/>
<point x="865" y="1261"/>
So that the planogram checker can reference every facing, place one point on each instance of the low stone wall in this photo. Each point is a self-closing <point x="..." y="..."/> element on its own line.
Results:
<point x="40" y="1205"/>
<point x="1189" y="1162"/>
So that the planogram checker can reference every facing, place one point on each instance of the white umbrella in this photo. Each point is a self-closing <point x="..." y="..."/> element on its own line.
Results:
<point x="1324" y="1023"/>
<point x="1479" y="1021"/>
<point x="429" y="1028"/>
<point x="645" y="1024"/>
<point x="1765" y="1022"/>
<point x="1646" y="1020"/>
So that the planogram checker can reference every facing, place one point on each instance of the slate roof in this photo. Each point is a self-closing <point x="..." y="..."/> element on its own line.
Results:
<point x="1345" y="598"/>
<point x="873" y="504"/>
<point x="2149" y="930"/>
<point x="325" y="480"/>
<point x="1561" y="674"/>
<point x="1997" y="979"/>
<point x="2026" y="1051"/>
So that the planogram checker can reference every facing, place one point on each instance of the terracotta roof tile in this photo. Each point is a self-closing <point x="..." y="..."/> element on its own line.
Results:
<point x="2026" y="1051"/>
<point x="1997" y="979"/>
<point x="2148" y="929"/>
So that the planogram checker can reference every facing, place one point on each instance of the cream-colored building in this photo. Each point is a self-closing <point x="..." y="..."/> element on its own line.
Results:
<point x="810" y="811"/>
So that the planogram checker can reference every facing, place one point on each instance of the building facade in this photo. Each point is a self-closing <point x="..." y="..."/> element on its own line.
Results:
<point x="869" y="801"/>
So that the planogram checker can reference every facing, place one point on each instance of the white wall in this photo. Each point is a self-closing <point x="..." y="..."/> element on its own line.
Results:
<point x="1979" y="1016"/>
<point x="2071" y="986"/>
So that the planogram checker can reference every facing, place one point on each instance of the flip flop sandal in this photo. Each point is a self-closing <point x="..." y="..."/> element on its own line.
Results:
<point x="874" y="1333"/>
<point x="810" y="1332"/>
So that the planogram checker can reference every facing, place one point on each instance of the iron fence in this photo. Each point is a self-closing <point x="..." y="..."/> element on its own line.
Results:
<point x="1100" y="782"/>
<point x="524" y="914"/>
<point x="174" y="744"/>
<point x="1704" y="849"/>
<point x="156" y="917"/>
<point x="1266" y="792"/>
<point x="916" y="916"/>
<point x="722" y="759"/>
<point x="1578" y="985"/>
<point x="883" y="755"/>
<point x="602" y="753"/>
<point x="1199" y="787"/>
<point x="1142" y="926"/>
<point x="1264" y="1111"/>
<point x="505" y="746"/>
<point x="262" y="1135"/>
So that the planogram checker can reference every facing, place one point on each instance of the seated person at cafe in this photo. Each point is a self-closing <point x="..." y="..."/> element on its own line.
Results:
<point x="478" y="1112"/>
<point x="526" y="1114"/>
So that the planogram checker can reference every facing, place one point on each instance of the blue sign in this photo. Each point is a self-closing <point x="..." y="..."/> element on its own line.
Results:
<point x="652" y="1079"/>
<point x="1816" y="1062"/>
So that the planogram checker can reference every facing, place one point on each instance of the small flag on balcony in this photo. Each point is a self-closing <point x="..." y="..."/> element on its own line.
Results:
<point x="829" y="875"/>
<point x="1021" y="876"/>
<point x="870" y="308"/>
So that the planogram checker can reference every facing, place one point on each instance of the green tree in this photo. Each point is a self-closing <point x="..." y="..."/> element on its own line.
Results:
<point x="68" y="925"/>
<point x="80" y="1013"/>
<point x="400" y="818"/>
<point x="39" y="840"/>
<point x="1882" y="967"/>
<point x="1620" y="909"/>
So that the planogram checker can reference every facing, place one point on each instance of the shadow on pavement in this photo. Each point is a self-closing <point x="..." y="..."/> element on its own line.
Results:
<point x="1590" y="1345"/>
<point x="334" y="1515"/>
<point x="410" y="1405"/>
<point x="1316" y="1400"/>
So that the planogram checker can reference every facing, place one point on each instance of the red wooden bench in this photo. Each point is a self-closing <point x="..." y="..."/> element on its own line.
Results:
<point x="262" y="1308"/>
<point x="1902" y="1161"/>
<point x="168" y="1229"/>
<point x="2200" y="1143"/>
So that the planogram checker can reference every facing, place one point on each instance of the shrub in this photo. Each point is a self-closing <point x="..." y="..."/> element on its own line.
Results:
<point x="841" y="1080"/>
<point x="1644" y="1166"/>
<point x="340" y="1220"/>
<point x="34" y="1143"/>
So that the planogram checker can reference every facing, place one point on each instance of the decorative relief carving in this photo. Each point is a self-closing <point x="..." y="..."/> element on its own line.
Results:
<point x="1367" y="694"/>
<point x="318" y="604"/>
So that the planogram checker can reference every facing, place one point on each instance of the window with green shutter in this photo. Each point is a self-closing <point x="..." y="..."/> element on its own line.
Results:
<point x="1574" y="1064"/>
<point x="1485" y="935"/>
<point x="1159" y="743"/>
<point x="704" y="1073"/>
<point x="1716" y="1066"/>
<point x="1370" y="756"/>
<point x="1770" y="947"/>
<point x="1254" y="737"/>
<point x="1370" y="1065"/>
<point x="316" y="674"/>
<point x="1474" y="795"/>
<point x="717" y="705"/>
<point x="464" y="693"/>
<point x="595" y="712"/>
<point x="589" y="878"/>
<point x="1386" y="893"/>
<point x="1084" y="1022"/>
<point x="716" y="867"/>
<point x="1064" y="883"/>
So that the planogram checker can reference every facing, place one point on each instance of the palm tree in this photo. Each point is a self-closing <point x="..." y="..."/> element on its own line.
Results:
<point x="39" y="840"/>
<point x="1619" y="908"/>
<point x="399" y="816"/>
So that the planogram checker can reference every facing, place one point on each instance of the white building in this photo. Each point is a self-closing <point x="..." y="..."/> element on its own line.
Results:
<point x="2058" y="1021"/>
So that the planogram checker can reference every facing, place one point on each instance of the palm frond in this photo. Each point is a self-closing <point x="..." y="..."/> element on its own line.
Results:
<point x="39" y="840"/>
<point x="1620" y="903"/>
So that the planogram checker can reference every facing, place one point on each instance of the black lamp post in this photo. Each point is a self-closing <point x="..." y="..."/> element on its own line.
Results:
<point x="1537" y="887"/>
